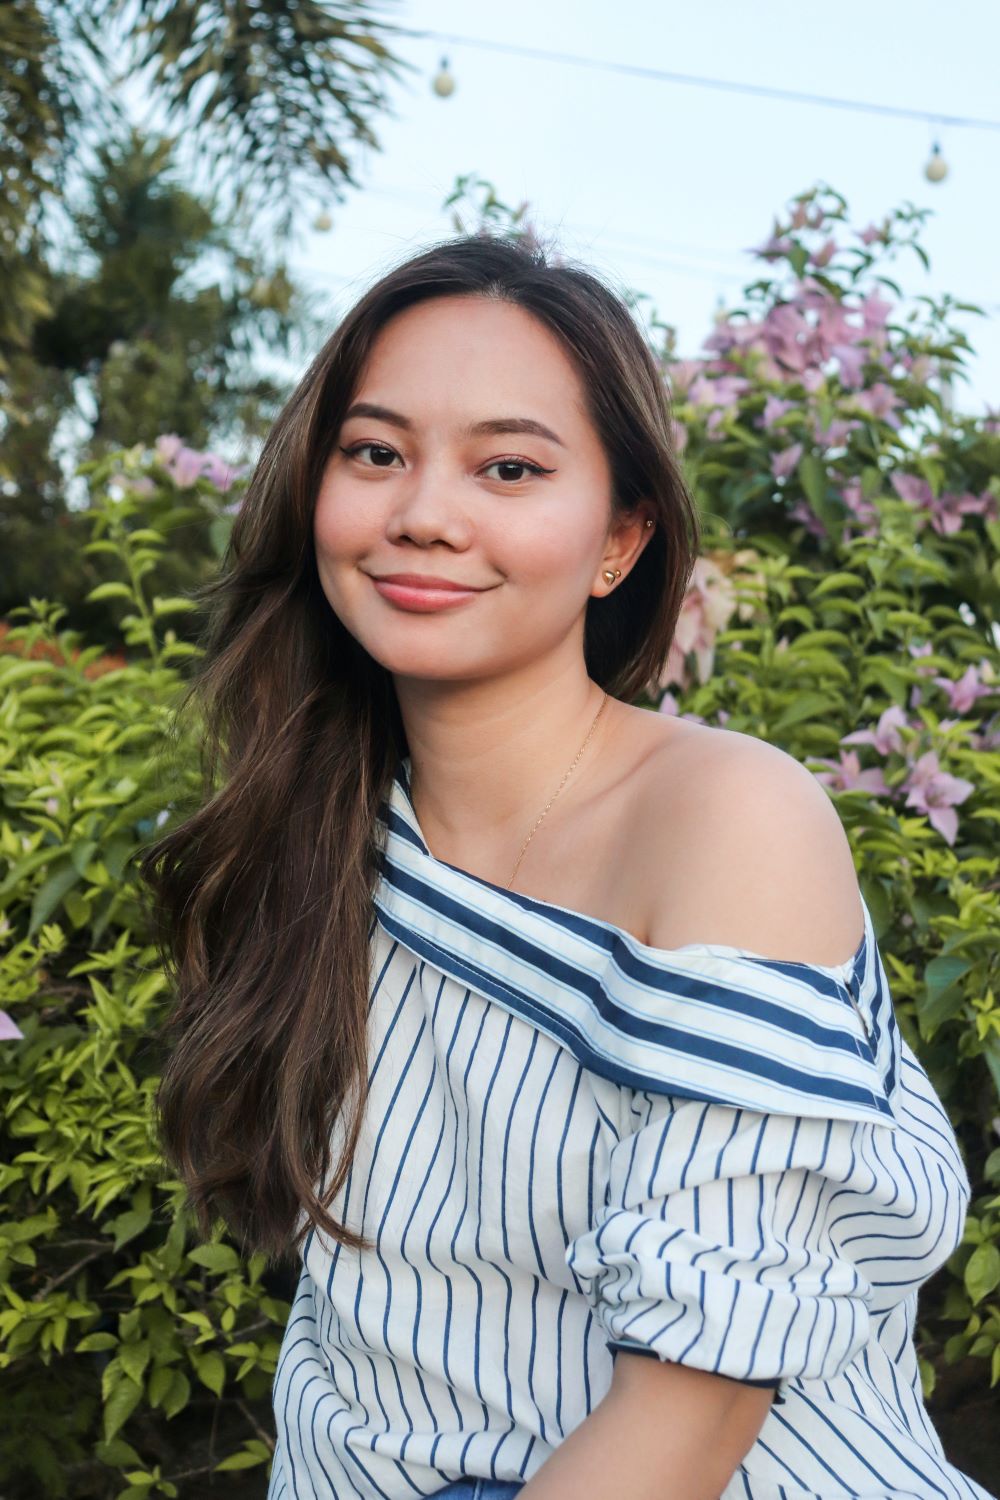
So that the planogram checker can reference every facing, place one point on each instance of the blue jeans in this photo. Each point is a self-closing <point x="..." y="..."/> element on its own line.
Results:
<point x="479" y="1489"/>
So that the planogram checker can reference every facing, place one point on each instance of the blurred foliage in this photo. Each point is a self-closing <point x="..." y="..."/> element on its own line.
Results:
<point x="132" y="305"/>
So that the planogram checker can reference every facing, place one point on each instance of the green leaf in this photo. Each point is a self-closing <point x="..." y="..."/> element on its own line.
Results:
<point x="803" y="706"/>
<point x="249" y="1457"/>
<point x="117" y="1453"/>
<point x="211" y="1370"/>
<point x="943" y="996"/>
<point x="110" y="591"/>
<point x="179" y="1394"/>
<point x="812" y="477"/>
<point x="48" y="896"/>
<point x="982" y="1272"/>
<point x="173" y="606"/>
<point x="134" y="1359"/>
<point x="159" y="1385"/>
<point x="122" y="1402"/>
<point x="127" y="1225"/>
<point x="95" y="1342"/>
<point x="215" y="1257"/>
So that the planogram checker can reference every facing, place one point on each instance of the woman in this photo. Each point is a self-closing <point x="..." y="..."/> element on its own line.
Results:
<point x="551" y="1032"/>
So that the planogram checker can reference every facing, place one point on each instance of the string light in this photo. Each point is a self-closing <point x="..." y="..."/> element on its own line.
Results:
<point x="935" y="170"/>
<point x="698" y="81"/>
<point x="444" y="81"/>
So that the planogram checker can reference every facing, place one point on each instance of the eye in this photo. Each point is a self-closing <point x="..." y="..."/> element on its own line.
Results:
<point x="381" y="447"/>
<point x="501" y="463"/>
<point x="518" y="463"/>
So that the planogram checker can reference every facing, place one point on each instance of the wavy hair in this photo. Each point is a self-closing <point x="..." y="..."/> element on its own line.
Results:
<point x="262" y="894"/>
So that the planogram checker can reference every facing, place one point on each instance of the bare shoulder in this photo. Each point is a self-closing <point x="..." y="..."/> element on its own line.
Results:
<point x="740" y="844"/>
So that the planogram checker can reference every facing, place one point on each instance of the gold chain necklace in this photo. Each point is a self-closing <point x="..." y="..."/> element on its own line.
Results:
<point x="556" y="792"/>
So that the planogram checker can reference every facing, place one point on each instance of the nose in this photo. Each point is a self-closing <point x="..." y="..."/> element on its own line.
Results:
<point x="427" y="506"/>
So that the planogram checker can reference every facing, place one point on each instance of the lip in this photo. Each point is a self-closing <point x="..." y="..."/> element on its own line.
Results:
<point x="425" y="581"/>
<point x="426" y="595"/>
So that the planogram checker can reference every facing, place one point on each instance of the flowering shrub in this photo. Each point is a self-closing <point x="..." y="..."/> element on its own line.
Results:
<point x="845" y="608"/>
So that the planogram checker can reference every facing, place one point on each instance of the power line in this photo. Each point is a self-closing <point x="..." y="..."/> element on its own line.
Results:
<point x="694" y="80"/>
<point x="603" y="232"/>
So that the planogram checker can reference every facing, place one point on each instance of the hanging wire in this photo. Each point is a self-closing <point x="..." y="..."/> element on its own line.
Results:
<point x="694" y="80"/>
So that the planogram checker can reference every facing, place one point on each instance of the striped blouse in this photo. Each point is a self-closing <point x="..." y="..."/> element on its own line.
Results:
<point x="576" y="1144"/>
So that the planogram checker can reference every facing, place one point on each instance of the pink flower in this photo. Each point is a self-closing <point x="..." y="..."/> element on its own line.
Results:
<point x="775" y="407"/>
<point x="825" y="254"/>
<point x="846" y="775"/>
<point x="803" y="511"/>
<point x="832" y="325"/>
<point x="947" y="511"/>
<point x="834" y="436"/>
<point x="885" y="736"/>
<point x="782" y="464"/>
<point x="880" y="400"/>
<point x="963" y="693"/>
<point x="168" y="446"/>
<point x="680" y="375"/>
<point x="936" y="793"/>
<point x="915" y="491"/>
<point x="187" y="465"/>
<point x="871" y="233"/>
<point x="217" y="471"/>
<point x="874" y="312"/>
<point x="139" y="484"/>
<point x="790" y="338"/>
<point x="708" y="606"/>
<point x="734" y="333"/>
<point x="772" y="248"/>
<point x="8" y="1031"/>
<point x="864" y="510"/>
<point x="720" y="391"/>
<point x="680" y="435"/>
<point x="925" y="648"/>
<point x="851" y="359"/>
<point x="919" y="366"/>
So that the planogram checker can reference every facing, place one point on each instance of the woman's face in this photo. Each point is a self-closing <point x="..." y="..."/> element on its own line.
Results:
<point x="522" y="517"/>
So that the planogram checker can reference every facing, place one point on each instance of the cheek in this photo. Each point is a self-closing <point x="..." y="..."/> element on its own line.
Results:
<point x="561" y="560"/>
<point x="340" y="528"/>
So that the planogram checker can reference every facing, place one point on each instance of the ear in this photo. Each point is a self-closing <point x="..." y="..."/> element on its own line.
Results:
<point x="627" y="537"/>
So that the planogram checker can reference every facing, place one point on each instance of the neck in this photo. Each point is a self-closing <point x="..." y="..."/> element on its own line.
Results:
<point x="483" y="767"/>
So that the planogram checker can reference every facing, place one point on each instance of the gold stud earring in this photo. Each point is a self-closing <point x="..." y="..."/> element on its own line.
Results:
<point x="610" y="577"/>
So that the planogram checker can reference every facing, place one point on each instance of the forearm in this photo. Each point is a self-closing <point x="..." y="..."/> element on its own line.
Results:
<point x="668" y="1434"/>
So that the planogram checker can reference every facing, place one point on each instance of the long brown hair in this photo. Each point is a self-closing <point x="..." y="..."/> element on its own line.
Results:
<point x="262" y="904"/>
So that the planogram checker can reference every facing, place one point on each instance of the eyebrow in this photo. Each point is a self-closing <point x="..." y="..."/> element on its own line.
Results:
<point x="491" y="426"/>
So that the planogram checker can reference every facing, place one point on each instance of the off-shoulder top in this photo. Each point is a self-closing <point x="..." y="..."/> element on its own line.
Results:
<point x="577" y="1144"/>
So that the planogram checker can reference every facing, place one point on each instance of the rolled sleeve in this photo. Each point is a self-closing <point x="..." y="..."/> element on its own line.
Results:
<point x="724" y="1242"/>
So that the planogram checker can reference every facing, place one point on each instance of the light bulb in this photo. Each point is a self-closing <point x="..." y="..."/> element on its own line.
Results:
<point x="444" y="80"/>
<point x="936" y="169"/>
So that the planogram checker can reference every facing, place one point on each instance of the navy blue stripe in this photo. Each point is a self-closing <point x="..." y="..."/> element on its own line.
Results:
<point x="770" y="1069"/>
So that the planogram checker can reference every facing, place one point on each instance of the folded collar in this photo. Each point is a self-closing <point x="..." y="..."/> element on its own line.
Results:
<point x="704" y="1021"/>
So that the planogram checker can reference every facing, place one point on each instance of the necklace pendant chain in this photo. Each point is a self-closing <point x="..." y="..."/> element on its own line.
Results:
<point x="556" y="792"/>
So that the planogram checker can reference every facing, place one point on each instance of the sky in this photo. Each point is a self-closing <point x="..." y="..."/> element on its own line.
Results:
<point x="663" y="187"/>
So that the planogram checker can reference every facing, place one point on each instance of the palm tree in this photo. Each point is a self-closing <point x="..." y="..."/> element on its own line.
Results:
<point x="270" y="94"/>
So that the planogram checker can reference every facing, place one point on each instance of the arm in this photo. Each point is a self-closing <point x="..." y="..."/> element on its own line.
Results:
<point x="663" y="1432"/>
<point x="717" y="1249"/>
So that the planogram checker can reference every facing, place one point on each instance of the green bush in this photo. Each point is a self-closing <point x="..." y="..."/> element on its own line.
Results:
<point x="845" y="609"/>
